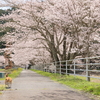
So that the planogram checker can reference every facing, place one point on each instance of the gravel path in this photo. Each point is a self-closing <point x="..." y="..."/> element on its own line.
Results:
<point x="32" y="86"/>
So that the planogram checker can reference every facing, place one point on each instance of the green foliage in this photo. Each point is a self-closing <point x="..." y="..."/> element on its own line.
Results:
<point x="95" y="42"/>
<point x="75" y="82"/>
<point x="7" y="29"/>
<point x="5" y="12"/>
<point x="2" y="12"/>
<point x="2" y="33"/>
<point x="2" y="45"/>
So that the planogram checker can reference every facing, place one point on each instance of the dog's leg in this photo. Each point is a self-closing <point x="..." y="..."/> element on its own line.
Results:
<point x="9" y="85"/>
<point x="6" y="85"/>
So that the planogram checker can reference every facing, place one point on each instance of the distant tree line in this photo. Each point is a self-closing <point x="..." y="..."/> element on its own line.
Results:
<point x="7" y="29"/>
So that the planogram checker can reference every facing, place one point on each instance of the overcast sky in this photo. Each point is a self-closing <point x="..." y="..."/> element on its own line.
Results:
<point x="4" y="8"/>
<point x="1" y="5"/>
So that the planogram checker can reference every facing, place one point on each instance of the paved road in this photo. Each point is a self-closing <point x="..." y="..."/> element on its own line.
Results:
<point x="32" y="86"/>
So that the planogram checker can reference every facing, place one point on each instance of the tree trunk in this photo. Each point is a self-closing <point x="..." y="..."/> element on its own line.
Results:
<point x="63" y="67"/>
<point x="64" y="48"/>
<point x="88" y="55"/>
<point x="53" y="49"/>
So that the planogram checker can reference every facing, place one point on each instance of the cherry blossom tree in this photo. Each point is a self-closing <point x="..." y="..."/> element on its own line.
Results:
<point x="65" y="28"/>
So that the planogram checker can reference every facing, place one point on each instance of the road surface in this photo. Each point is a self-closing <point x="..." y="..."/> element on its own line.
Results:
<point x="32" y="86"/>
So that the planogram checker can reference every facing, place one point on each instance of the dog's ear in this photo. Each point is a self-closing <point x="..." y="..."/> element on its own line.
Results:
<point x="6" y="75"/>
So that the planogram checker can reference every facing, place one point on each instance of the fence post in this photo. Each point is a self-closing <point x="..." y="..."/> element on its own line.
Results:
<point x="74" y="68"/>
<point x="32" y="67"/>
<point x="44" y="67"/>
<point x="66" y="67"/>
<point x="60" y="67"/>
<point x="87" y="72"/>
<point x="55" y="68"/>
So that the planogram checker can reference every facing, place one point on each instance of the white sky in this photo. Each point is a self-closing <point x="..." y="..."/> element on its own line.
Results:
<point x="1" y="5"/>
<point x="4" y="8"/>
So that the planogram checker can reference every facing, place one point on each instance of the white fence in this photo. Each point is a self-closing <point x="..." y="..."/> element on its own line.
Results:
<point x="87" y="67"/>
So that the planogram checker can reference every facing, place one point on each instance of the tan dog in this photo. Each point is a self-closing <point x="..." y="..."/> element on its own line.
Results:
<point x="8" y="81"/>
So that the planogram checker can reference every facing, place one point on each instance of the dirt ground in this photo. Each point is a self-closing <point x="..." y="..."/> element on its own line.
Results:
<point x="32" y="86"/>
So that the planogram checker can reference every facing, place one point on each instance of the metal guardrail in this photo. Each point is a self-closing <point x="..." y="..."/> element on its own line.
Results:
<point x="88" y="67"/>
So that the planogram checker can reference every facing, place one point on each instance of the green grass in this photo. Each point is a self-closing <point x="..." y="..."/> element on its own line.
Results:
<point x="2" y="87"/>
<point x="15" y="73"/>
<point x="1" y="70"/>
<point x="76" y="82"/>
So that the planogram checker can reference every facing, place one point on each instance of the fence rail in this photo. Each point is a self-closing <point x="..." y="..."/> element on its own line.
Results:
<point x="86" y="67"/>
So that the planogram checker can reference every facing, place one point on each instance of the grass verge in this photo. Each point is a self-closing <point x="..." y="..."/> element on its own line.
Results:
<point x="15" y="73"/>
<point x="76" y="82"/>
